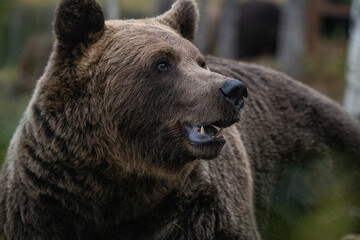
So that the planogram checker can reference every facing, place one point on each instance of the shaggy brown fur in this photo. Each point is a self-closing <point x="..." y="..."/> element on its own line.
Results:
<point x="104" y="151"/>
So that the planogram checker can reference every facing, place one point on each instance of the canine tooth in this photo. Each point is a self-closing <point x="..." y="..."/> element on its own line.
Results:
<point x="217" y="128"/>
<point x="218" y="134"/>
<point x="202" y="130"/>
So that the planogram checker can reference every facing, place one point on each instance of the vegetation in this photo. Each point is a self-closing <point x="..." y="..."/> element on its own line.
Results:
<point x="11" y="110"/>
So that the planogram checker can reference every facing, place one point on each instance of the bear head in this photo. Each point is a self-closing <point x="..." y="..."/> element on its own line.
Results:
<point x="136" y="94"/>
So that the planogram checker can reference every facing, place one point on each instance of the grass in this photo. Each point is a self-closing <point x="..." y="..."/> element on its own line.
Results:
<point x="331" y="220"/>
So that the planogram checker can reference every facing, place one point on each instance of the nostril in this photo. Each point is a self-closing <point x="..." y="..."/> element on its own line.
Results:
<point x="233" y="92"/>
<point x="245" y="92"/>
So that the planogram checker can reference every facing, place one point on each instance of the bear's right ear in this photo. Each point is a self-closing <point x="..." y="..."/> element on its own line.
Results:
<point x="182" y="17"/>
<point x="78" y="21"/>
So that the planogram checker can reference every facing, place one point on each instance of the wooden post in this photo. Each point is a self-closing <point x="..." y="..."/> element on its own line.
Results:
<point x="316" y="10"/>
<point x="227" y="41"/>
<point x="200" y="39"/>
<point x="313" y="25"/>
<point x="291" y="41"/>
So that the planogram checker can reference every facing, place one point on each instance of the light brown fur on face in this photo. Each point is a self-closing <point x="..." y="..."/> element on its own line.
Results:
<point x="110" y="146"/>
<point x="185" y="86"/>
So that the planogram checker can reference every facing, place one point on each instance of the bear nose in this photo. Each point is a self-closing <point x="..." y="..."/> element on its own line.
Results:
<point x="233" y="91"/>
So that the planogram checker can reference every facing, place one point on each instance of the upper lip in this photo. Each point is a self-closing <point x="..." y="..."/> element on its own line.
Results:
<point x="224" y="123"/>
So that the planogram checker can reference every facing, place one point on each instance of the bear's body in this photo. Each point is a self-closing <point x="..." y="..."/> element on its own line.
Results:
<point x="110" y="145"/>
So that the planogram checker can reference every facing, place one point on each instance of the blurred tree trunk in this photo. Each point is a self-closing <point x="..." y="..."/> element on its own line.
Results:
<point x="112" y="9"/>
<point x="292" y="37"/>
<point x="200" y="40"/>
<point x="162" y="6"/>
<point x="352" y="92"/>
<point x="227" y="42"/>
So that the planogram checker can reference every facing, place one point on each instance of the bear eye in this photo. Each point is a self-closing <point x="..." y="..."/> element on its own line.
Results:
<point x="203" y="64"/>
<point x="162" y="67"/>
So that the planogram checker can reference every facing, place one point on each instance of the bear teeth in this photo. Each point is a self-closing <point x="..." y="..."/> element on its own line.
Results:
<point x="217" y="128"/>
<point x="202" y="130"/>
<point x="217" y="132"/>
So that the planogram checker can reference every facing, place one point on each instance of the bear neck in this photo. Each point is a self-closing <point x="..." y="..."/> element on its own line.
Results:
<point x="140" y="194"/>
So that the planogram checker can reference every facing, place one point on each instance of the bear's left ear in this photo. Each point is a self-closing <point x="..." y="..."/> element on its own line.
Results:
<point x="78" y="21"/>
<point x="182" y="17"/>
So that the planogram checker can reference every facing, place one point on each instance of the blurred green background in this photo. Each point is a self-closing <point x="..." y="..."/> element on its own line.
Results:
<point x="26" y="40"/>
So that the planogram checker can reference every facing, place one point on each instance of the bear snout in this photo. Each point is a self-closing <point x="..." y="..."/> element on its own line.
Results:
<point x="233" y="91"/>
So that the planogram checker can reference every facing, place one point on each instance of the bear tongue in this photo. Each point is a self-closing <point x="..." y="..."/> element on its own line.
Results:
<point x="203" y="135"/>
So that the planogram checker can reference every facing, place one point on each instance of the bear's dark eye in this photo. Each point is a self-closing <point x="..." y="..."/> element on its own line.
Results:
<point x="162" y="67"/>
<point x="203" y="64"/>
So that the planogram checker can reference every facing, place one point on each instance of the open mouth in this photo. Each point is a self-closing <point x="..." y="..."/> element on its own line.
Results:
<point x="203" y="135"/>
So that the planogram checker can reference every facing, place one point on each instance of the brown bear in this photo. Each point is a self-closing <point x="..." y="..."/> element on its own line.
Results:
<point x="132" y="134"/>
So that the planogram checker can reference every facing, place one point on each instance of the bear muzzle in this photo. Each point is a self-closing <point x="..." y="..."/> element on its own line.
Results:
<point x="233" y="93"/>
